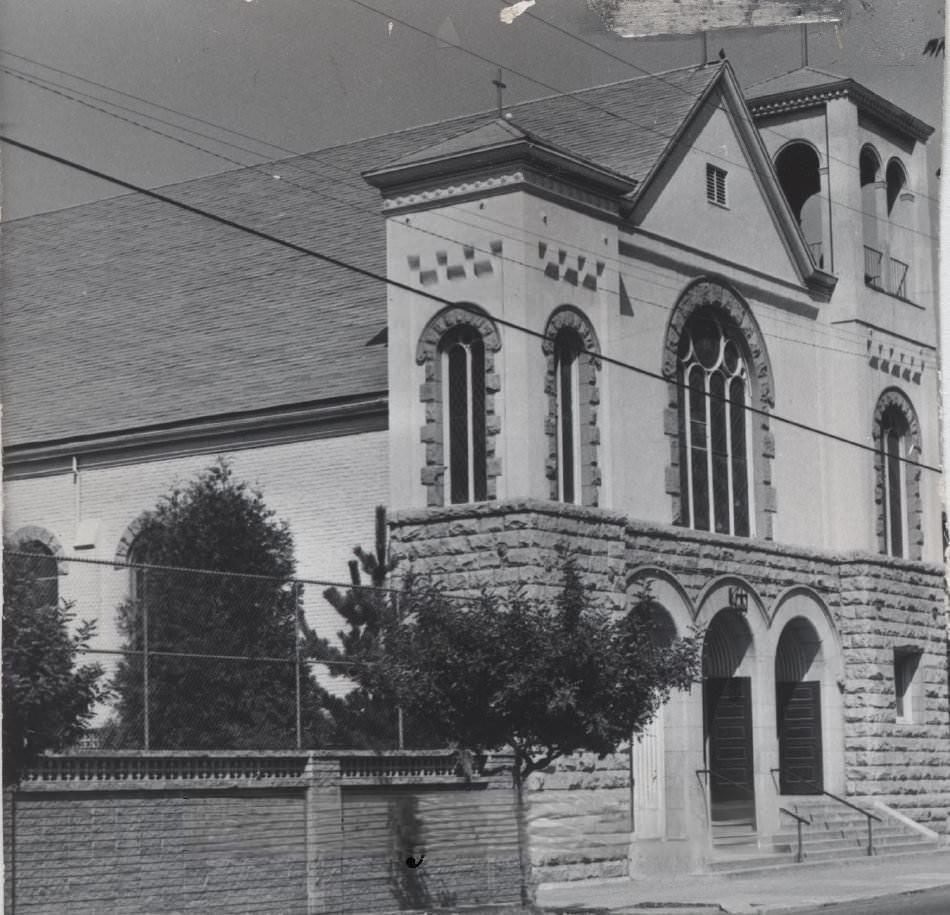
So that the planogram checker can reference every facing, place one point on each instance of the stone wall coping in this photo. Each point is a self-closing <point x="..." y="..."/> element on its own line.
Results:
<point x="85" y="770"/>
<point x="634" y="528"/>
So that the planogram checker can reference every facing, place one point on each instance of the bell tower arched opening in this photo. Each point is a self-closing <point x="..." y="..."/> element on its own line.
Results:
<point x="799" y="173"/>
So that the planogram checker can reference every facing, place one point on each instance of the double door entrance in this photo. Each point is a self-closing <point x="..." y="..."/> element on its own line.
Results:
<point x="730" y="751"/>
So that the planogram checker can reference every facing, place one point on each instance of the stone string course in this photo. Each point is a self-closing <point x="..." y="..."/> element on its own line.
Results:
<point x="580" y="810"/>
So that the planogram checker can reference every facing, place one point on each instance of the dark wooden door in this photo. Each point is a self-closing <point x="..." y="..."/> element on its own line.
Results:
<point x="728" y="703"/>
<point x="799" y="737"/>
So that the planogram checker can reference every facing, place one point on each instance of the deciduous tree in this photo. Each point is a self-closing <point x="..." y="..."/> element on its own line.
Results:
<point x="49" y="697"/>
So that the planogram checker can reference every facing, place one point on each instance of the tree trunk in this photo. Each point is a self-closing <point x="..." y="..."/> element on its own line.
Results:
<point x="524" y="861"/>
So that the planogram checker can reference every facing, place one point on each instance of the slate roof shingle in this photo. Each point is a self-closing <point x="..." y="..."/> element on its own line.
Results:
<point x="128" y="313"/>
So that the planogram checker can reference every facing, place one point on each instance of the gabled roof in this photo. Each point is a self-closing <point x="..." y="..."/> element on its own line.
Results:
<point x="500" y="142"/>
<point x="760" y="164"/>
<point x="793" y="81"/>
<point x="129" y="314"/>
<point x="496" y="133"/>
<point x="807" y="86"/>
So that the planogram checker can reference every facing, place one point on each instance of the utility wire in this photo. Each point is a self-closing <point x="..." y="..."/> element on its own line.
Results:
<point x="324" y="194"/>
<point x="562" y="93"/>
<point x="397" y="284"/>
<point x="659" y="76"/>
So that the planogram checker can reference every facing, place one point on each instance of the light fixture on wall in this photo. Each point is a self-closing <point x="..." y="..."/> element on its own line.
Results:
<point x="738" y="599"/>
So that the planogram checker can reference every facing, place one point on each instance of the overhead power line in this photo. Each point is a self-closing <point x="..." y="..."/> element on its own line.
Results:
<point x="397" y="284"/>
<point x="655" y="276"/>
<point x="575" y="96"/>
<point x="659" y="77"/>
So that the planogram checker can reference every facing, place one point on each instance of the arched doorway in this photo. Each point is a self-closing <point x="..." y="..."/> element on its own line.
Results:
<point x="649" y="751"/>
<point x="728" y="659"/>
<point x="799" y="670"/>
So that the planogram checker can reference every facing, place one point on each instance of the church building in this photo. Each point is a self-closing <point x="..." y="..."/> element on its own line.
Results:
<point x="686" y="331"/>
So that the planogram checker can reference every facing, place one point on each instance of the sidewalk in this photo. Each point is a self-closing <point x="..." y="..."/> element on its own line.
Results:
<point x="802" y="886"/>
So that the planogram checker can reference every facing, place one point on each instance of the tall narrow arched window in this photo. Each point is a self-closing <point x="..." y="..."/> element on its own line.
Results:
<point x="463" y="368"/>
<point x="457" y="348"/>
<point x="567" y="348"/>
<point x="716" y="494"/>
<point x="895" y="486"/>
<point x="571" y="350"/>
<point x="897" y="441"/>
<point x="39" y="566"/>
<point x="137" y="557"/>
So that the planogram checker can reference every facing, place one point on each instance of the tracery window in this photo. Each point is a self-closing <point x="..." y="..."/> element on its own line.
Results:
<point x="714" y="439"/>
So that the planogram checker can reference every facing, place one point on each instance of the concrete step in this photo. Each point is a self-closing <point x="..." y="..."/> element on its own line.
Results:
<point x="730" y="864"/>
<point x="767" y="865"/>
<point x="811" y="835"/>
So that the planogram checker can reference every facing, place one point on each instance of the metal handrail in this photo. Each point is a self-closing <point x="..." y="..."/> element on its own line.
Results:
<point x="840" y="800"/>
<point x="799" y="857"/>
<point x="723" y="779"/>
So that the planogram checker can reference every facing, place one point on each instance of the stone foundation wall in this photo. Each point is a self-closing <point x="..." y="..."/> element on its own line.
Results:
<point x="579" y="818"/>
<point x="876" y="604"/>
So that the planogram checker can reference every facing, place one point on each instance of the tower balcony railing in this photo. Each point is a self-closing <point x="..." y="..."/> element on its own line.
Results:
<point x="886" y="274"/>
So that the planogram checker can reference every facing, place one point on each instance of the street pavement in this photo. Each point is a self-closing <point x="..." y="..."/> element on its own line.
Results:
<point x="786" y="890"/>
<point x="922" y="902"/>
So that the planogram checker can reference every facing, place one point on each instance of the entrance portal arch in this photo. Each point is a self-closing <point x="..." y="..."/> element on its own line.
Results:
<point x="808" y="703"/>
<point x="798" y="663"/>
<point x="728" y="675"/>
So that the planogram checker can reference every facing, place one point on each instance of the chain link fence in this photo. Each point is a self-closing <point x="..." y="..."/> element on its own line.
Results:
<point x="212" y="660"/>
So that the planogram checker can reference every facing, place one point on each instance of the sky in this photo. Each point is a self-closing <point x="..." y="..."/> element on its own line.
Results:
<point x="293" y="76"/>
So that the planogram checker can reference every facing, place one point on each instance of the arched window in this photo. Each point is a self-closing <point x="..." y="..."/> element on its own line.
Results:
<point x="566" y="351"/>
<point x="893" y="445"/>
<point x="41" y="568"/>
<point x="463" y="368"/>
<point x="896" y="180"/>
<point x="457" y="348"/>
<point x="571" y="348"/>
<point x="798" y="170"/>
<point x="714" y="443"/>
<point x="716" y="361"/>
<point x="136" y="557"/>
<point x="897" y="441"/>
<point x="869" y="169"/>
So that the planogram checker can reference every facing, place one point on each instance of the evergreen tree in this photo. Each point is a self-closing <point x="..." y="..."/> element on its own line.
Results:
<point x="369" y="715"/>
<point x="237" y="686"/>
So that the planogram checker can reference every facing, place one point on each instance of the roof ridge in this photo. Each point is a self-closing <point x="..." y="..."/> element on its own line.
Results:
<point x="492" y="112"/>
<point x="763" y="82"/>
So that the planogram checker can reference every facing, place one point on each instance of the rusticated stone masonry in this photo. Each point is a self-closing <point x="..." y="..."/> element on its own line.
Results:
<point x="878" y="605"/>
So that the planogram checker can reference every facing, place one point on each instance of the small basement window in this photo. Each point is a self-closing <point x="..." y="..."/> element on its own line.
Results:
<point x="906" y="662"/>
<point x="716" y="185"/>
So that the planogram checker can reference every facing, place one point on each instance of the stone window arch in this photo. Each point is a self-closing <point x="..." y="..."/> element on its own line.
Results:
<point x="717" y="365"/>
<point x="897" y="451"/>
<point x="571" y="350"/>
<point x="457" y="349"/>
